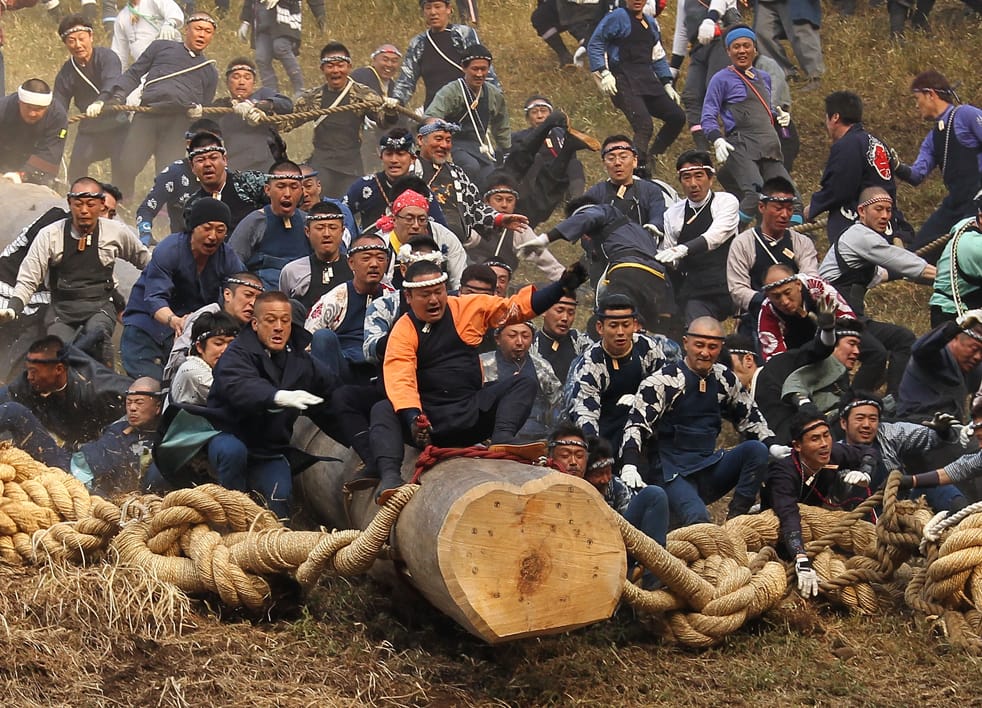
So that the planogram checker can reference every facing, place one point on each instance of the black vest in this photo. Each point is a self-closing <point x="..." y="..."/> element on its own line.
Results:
<point x="782" y="252"/>
<point x="853" y="281"/>
<point x="80" y="275"/>
<point x="559" y="352"/>
<point x="625" y="378"/>
<point x="436" y="71"/>
<point x="448" y="374"/>
<point x="687" y="432"/>
<point x="705" y="273"/>
<point x="959" y="164"/>
<point x="324" y="277"/>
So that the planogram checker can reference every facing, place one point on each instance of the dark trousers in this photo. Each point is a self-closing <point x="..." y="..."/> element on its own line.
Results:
<point x="161" y="136"/>
<point x="141" y="354"/>
<point x="740" y="469"/>
<point x="28" y="433"/>
<point x="651" y="295"/>
<point x="94" y="147"/>
<point x="885" y="350"/>
<point x="352" y="405"/>
<point x="502" y="407"/>
<point x="704" y="61"/>
<point x="938" y="224"/>
<point x="719" y="307"/>
<point x="94" y="335"/>
<point x="639" y="110"/>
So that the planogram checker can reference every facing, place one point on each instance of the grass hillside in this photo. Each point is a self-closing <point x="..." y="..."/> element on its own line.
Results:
<point x="73" y="638"/>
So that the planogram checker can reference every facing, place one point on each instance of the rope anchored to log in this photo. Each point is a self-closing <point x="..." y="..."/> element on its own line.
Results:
<point x="212" y="541"/>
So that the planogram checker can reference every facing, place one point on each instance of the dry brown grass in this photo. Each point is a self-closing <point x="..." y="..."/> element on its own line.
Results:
<point x="109" y="636"/>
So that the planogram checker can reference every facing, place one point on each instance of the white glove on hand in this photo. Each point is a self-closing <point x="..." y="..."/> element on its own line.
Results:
<point x="608" y="84"/>
<point x="783" y="118"/>
<point x="855" y="478"/>
<point x="243" y="31"/>
<point x="653" y="230"/>
<point x="13" y="177"/>
<point x="95" y="109"/>
<point x="970" y="319"/>
<point x="579" y="55"/>
<point x="673" y="94"/>
<point x="779" y="452"/>
<point x="807" y="577"/>
<point x="631" y="477"/>
<point x="255" y="117"/>
<point x="242" y="108"/>
<point x="390" y="103"/>
<point x="966" y="435"/>
<point x="723" y="150"/>
<point x="7" y="315"/>
<point x="532" y="247"/>
<point x="707" y="31"/>
<point x="169" y="32"/>
<point x="301" y="400"/>
<point x="672" y="256"/>
<point x="195" y="112"/>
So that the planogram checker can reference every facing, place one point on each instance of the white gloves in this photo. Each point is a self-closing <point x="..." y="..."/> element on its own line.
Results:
<point x="532" y="247"/>
<point x="807" y="577"/>
<point x="631" y="477"/>
<point x="855" y="477"/>
<point x="707" y="31"/>
<point x="579" y="55"/>
<point x="195" y="112"/>
<point x="242" y="108"/>
<point x="653" y="230"/>
<point x="300" y="400"/>
<point x="723" y="150"/>
<point x="970" y="319"/>
<point x="95" y="109"/>
<point x="783" y="118"/>
<point x="243" y="32"/>
<point x="13" y="177"/>
<point x="608" y="84"/>
<point x="672" y="256"/>
<point x="390" y="103"/>
<point x="7" y="315"/>
<point x="169" y="32"/>
<point x="779" y="452"/>
<point x="673" y="94"/>
<point x="966" y="435"/>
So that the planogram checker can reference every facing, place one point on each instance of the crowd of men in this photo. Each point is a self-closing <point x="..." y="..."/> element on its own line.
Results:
<point x="382" y="306"/>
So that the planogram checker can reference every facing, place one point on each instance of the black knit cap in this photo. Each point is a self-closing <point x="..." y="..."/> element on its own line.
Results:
<point x="208" y="209"/>
<point x="475" y="51"/>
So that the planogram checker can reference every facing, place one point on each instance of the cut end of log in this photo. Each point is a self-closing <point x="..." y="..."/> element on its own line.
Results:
<point x="522" y="552"/>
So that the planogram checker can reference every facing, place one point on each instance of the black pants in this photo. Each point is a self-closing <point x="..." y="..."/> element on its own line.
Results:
<point x="639" y="110"/>
<point x="651" y="295"/>
<point x="885" y="350"/>
<point x="704" y="61"/>
<point x="502" y="409"/>
<point x="160" y="136"/>
<point x="938" y="224"/>
<point x="542" y="189"/>
<point x="352" y="405"/>
<point x="94" y="147"/>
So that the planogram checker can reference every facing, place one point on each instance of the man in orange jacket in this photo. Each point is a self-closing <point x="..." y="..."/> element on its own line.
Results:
<point x="432" y="371"/>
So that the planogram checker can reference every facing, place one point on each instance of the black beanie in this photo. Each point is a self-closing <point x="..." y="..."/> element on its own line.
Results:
<point x="208" y="209"/>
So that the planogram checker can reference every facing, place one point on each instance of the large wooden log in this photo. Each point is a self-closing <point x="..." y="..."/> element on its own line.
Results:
<point x="506" y="549"/>
<point x="509" y="550"/>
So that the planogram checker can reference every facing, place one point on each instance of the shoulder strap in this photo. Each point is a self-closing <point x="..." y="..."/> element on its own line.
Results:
<point x="753" y="88"/>
<point x="439" y="51"/>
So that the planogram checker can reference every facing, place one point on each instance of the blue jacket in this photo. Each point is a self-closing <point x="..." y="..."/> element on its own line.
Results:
<point x="162" y="59"/>
<point x="172" y="187"/>
<point x="247" y="378"/>
<point x="171" y="279"/>
<point x="617" y="25"/>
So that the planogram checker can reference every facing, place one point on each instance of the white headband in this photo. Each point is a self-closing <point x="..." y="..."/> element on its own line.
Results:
<point x="34" y="99"/>
<point x="425" y="283"/>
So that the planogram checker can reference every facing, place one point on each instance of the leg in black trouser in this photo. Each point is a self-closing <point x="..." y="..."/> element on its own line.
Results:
<point x="352" y="406"/>
<point x="651" y="295"/>
<point x="159" y="135"/>
<point x="938" y="224"/>
<point x="94" y="147"/>
<point x="545" y="20"/>
<point x="939" y="316"/>
<point x="885" y="350"/>
<point x="639" y="111"/>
